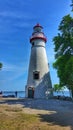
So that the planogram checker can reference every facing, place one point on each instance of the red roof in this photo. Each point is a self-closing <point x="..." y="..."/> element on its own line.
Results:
<point x="37" y="25"/>
<point x="38" y="35"/>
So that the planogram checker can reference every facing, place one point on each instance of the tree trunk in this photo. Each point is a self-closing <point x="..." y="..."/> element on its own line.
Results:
<point x="72" y="94"/>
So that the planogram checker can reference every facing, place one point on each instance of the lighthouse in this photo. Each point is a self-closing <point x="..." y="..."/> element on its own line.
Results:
<point x="38" y="82"/>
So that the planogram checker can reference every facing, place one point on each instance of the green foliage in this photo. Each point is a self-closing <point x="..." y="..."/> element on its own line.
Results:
<point x="57" y="87"/>
<point x="1" y="65"/>
<point x="69" y="73"/>
<point x="64" y="52"/>
<point x="64" y="41"/>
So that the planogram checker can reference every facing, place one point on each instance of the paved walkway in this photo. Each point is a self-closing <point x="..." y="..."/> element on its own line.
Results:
<point x="40" y="104"/>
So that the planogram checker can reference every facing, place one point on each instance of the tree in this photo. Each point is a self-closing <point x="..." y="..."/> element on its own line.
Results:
<point x="1" y="65"/>
<point x="64" y="52"/>
<point x="57" y="88"/>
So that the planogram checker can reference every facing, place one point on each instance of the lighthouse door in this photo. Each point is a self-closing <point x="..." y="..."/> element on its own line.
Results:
<point x="30" y="92"/>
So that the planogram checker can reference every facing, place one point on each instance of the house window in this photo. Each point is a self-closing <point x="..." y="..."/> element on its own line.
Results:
<point x="36" y="75"/>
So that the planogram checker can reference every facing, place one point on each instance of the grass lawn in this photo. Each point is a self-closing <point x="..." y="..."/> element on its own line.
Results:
<point x="12" y="118"/>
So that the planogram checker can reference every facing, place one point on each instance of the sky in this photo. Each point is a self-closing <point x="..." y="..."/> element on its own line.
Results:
<point x="17" y="18"/>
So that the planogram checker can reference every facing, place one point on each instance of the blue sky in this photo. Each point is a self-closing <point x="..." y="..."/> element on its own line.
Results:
<point x="17" y="18"/>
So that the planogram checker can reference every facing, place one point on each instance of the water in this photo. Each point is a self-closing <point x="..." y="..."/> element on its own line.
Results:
<point x="62" y="93"/>
<point x="21" y="94"/>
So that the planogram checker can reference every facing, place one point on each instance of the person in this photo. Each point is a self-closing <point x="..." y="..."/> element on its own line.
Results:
<point x="0" y="93"/>
<point x="15" y="93"/>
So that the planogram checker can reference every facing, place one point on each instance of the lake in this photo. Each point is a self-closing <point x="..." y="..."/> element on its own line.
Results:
<point x="21" y="94"/>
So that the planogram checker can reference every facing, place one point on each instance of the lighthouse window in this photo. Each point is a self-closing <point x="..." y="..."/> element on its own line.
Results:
<point x="32" y="43"/>
<point x="36" y="75"/>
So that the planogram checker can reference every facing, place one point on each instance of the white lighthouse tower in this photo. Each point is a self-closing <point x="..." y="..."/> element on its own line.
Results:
<point x="38" y="82"/>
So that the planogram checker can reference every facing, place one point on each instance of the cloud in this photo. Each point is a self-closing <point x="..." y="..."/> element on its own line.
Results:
<point x="9" y="67"/>
<point x="13" y="67"/>
<point x="10" y="21"/>
<point x="16" y="14"/>
<point x="11" y="72"/>
<point x="22" y="25"/>
<point x="17" y="2"/>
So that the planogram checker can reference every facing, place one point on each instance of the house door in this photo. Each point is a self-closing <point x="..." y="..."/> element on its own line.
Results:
<point x="30" y="92"/>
